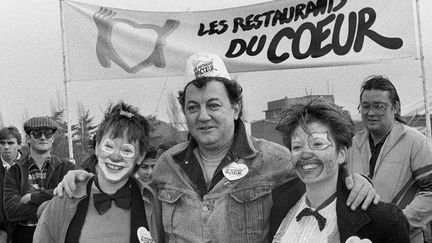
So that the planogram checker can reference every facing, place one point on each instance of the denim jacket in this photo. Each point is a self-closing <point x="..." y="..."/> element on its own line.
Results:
<point x="223" y="210"/>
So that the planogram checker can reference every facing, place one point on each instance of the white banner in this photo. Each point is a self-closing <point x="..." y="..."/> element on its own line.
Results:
<point x="108" y="43"/>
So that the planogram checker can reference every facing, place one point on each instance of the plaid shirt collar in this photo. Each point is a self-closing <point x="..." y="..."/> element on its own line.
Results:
<point x="32" y="163"/>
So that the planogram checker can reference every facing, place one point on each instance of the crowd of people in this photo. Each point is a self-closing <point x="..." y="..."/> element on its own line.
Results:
<point x="325" y="184"/>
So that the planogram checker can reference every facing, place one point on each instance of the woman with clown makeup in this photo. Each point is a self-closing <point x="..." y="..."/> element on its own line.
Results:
<point x="318" y="135"/>
<point x="112" y="206"/>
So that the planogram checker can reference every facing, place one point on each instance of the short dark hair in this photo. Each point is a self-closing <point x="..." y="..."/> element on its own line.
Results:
<point x="121" y="118"/>
<point x="233" y="88"/>
<point x="383" y="83"/>
<point x="10" y="132"/>
<point x="151" y="153"/>
<point x="338" y="121"/>
<point x="164" y="147"/>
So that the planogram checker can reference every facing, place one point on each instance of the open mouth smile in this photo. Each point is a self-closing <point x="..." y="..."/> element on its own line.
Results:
<point x="114" y="167"/>
<point x="310" y="166"/>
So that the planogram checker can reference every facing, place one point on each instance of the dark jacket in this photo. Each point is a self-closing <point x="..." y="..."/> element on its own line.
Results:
<point x="16" y="184"/>
<point x="89" y="164"/>
<point x="3" y="221"/>
<point x="379" y="223"/>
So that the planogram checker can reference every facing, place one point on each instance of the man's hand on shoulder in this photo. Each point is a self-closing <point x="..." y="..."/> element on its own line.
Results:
<point x="361" y="191"/>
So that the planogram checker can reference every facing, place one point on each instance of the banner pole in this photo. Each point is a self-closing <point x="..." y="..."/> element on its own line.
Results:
<point x="66" y="83"/>
<point x="425" y="89"/>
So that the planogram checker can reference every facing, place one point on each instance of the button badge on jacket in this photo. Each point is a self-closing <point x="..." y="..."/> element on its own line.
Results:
<point x="235" y="171"/>
<point x="144" y="235"/>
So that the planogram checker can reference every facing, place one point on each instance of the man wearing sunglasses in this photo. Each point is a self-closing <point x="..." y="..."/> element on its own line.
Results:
<point x="31" y="181"/>
<point x="396" y="157"/>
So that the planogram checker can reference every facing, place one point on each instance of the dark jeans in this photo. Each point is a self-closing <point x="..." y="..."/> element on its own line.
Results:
<point x="23" y="234"/>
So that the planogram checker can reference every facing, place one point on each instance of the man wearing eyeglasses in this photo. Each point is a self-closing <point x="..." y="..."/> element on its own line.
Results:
<point x="31" y="181"/>
<point x="396" y="157"/>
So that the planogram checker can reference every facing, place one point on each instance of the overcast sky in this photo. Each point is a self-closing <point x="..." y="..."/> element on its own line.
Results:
<point x="31" y="76"/>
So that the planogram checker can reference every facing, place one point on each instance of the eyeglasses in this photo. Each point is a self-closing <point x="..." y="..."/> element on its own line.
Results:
<point x="127" y="151"/>
<point x="38" y="134"/>
<point x="377" y="108"/>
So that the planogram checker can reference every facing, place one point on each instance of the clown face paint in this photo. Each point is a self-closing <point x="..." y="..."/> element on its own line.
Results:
<point x="314" y="154"/>
<point x="116" y="158"/>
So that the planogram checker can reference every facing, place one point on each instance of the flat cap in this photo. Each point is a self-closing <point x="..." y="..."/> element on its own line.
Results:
<point x="39" y="123"/>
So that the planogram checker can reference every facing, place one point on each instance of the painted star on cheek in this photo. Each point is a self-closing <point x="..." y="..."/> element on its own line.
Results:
<point x="319" y="141"/>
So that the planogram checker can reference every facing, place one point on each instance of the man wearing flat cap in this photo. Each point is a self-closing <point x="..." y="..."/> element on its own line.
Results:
<point x="31" y="181"/>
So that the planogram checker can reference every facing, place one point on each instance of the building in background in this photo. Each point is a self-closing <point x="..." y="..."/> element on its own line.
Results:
<point x="274" y="107"/>
<point x="266" y="128"/>
<point x="413" y="115"/>
<point x="417" y="121"/>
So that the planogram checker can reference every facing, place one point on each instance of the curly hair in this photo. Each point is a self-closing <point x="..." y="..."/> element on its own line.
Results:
<point x="122" y="118"/>
<point x="233" y="88"/>
<point x="338" y="121"/>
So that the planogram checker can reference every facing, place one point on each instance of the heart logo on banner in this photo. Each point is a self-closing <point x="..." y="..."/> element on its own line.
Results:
<point x="125" y="38"/>
<point x="144" y="235"/>
<point x="141" y="44"/>
<point x="235" y="171"/>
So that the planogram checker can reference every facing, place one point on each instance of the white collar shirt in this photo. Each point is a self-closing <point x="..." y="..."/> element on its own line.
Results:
<point x="306" y="229"/>
<point x="6" y="165"/>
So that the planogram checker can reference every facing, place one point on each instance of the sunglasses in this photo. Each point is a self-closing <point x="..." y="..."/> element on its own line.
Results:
<point x="38" y="134"/>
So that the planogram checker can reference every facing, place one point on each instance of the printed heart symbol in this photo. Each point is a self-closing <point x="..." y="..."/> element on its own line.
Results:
<point x="235" y="171"/>
<point x="144" y="235"/>
<point x="126" y="37"/>
<point x="141" y="47"/>
<point x="355" y="239"/>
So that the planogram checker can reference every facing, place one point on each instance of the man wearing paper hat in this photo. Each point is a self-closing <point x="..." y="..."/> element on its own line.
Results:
<point x="31" y="180"/>
<point x="217" y="186"/>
